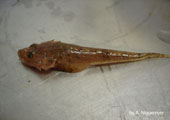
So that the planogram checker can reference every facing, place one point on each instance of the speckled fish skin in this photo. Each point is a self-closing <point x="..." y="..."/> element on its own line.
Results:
<point x="74" y="58"/>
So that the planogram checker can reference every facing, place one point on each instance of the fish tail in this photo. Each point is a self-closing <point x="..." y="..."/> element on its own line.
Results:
<point x="125" y="57"/>
<point x="143" y="56"/>
<point x="154" y="55"/>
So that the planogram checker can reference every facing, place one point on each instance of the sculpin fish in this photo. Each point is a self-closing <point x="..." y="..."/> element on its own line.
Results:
<point x="74" y="58"/>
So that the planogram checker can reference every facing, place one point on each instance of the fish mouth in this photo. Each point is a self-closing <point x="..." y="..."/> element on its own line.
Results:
<point x="20" y="55"/>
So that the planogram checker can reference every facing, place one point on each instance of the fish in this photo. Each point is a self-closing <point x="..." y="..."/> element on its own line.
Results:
<point x="74" y="58"/>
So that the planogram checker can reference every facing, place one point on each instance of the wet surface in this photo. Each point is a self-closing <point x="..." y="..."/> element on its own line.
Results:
<point x="97" y="93"/>
<point x="164" y="36"/>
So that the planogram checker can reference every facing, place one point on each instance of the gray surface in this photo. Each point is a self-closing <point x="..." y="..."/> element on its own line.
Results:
<point x="98" y="93"/>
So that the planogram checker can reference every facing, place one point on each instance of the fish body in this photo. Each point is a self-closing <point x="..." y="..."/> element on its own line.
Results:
<point x="75" y="58"/>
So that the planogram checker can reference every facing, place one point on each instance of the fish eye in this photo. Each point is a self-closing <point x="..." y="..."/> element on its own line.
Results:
<point x="29" y="55"/>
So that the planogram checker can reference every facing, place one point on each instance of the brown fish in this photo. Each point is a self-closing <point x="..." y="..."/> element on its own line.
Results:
<point x="74" y="58"/>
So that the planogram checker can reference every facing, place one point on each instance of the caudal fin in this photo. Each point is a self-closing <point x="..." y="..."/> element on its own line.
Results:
<point x="154" y="55"/>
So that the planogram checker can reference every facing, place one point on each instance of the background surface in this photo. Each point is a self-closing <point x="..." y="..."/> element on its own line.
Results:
<point x="98" y="93"/>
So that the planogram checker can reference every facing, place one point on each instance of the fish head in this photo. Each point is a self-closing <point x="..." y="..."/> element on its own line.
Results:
<point x="36" y="56"/>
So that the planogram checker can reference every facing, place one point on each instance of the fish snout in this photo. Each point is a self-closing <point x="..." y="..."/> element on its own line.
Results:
<point x="20" y="53"/>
